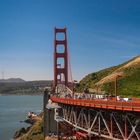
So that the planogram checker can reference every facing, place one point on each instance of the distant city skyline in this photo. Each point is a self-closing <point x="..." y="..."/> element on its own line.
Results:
<point x="100" y="34"/>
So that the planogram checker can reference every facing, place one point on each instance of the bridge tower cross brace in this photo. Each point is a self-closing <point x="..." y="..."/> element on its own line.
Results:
<point x="58" y="70"/>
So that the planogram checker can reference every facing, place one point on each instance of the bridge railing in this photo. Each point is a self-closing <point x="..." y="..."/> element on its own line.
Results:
<point x="105" y="104"/>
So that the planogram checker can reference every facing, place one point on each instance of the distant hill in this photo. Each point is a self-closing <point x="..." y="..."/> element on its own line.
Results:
<point x="19" y="86"/>
<point x="12" y="80"/>
<point x="128" y="85"/>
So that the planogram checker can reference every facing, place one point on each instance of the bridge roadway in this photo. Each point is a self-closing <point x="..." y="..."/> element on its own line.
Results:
<point x="100" y="103"/>
<point x="110" y="119"/>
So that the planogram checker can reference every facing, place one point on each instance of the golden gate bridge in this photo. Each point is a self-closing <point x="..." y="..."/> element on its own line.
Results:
<point x="106" y="118"/>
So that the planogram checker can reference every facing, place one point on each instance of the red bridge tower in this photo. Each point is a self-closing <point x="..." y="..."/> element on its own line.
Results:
<point x="60" y="57"/>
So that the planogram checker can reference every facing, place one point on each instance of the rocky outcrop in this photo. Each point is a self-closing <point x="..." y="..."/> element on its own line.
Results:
<point x="21" y="132"/>
<point x="35" y="128"/>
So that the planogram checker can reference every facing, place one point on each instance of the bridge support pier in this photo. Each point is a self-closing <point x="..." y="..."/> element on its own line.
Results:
<point x="50" y="125"/>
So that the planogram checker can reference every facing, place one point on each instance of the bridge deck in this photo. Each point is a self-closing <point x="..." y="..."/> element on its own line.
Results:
<point x="101" y="104"/>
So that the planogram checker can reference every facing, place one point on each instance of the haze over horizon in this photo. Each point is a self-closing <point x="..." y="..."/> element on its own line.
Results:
<point x="100" y="34"/>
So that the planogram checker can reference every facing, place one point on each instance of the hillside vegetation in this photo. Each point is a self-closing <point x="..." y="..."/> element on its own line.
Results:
<point x="128" y="85"/>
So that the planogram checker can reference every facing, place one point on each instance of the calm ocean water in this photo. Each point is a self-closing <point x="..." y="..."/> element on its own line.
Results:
<point x="14" y="109"/>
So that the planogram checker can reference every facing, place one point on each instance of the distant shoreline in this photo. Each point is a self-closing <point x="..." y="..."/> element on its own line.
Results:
<point x="32" y="88"/>
<point x="21" y="94"/>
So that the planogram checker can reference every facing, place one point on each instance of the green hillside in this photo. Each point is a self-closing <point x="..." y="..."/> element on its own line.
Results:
<point x="129" y="85"/>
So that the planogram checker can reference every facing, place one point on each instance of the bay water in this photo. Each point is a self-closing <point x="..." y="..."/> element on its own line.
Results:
<point x="13" y="110"/>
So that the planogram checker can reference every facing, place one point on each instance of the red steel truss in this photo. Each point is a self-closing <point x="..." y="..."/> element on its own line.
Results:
<point x="107" y="123"/>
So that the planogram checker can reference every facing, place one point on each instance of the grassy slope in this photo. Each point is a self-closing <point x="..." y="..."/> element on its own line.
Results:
<point x="127" y="86"/>
<point x="90" y="80"/>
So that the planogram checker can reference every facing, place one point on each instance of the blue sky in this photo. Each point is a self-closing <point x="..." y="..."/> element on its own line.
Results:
<point x="100" y="34"/>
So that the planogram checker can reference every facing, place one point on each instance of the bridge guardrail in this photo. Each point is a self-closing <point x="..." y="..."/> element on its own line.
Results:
<point x="108" y="104"/>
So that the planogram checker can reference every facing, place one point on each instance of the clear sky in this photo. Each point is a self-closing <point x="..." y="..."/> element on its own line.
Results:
<point x="101" y="33"/>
